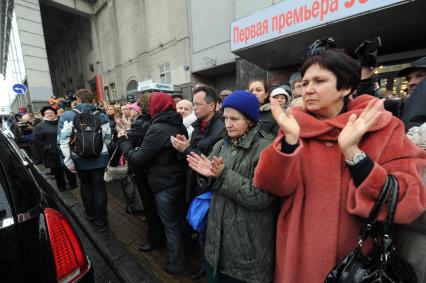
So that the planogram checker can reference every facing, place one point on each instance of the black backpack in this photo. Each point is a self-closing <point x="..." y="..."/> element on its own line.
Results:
<point x="87" y="141"/>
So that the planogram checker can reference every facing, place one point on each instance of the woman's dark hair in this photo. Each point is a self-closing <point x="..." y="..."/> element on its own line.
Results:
<point x="345" y="68"/>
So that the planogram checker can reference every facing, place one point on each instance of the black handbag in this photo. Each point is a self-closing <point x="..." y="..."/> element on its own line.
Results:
<point x="382" y="263"/>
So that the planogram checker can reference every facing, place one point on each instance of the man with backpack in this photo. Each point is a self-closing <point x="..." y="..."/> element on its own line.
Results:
<point x="83" y="136"/>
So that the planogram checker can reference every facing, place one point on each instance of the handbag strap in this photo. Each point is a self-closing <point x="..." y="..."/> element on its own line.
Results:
<point x="112" y="156"/>
<point x="370" y="222"/>
<point x="387" y="226"/>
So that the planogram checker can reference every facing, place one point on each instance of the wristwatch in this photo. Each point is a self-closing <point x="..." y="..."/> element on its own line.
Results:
<point x="357" y="158"/>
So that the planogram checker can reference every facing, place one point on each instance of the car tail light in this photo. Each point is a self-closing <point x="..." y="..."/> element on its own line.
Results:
<point x="70" y="259"/>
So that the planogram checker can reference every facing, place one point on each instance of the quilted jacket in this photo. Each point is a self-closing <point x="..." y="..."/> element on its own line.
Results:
<point x="240" y="239"/>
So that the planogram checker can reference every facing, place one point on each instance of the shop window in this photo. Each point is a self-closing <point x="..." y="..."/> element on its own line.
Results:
<point x="165" y="75"/>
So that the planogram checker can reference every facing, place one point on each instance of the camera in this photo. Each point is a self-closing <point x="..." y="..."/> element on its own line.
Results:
<point x="320" y="45"/>
<point x="367" y="52"/>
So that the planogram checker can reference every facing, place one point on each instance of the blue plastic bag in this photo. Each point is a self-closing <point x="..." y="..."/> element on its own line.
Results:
<point x="198" y="211"/>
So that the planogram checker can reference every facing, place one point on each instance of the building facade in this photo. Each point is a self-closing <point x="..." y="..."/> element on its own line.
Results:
<point x="112" y="45"/>
<point x="268" y="39"/>
<point x="106" y="45"/>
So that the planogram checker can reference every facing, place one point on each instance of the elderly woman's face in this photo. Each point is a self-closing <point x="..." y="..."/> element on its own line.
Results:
<point x="184" y="108"/>
<point x="258" y="89"/>
<point x="236" y="123"/>
<point x="319" y="92"/>
<point x="49" y="115"/>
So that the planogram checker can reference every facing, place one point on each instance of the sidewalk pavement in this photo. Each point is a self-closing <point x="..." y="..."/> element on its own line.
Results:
<point x="119" y="244"/>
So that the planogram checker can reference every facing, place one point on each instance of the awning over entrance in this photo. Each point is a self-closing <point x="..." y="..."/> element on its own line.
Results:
<point x="401" y="28"/>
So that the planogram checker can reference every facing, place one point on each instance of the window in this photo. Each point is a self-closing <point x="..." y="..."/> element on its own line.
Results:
<point x="132" y="85"/>
<point x="165" y="76"/>
<point x="6" y="218"/>
<point x="112" y="90"/>
<point x="106" y="93"/>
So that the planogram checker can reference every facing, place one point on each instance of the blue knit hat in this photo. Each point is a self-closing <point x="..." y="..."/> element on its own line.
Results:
<point x="245" y="102"/>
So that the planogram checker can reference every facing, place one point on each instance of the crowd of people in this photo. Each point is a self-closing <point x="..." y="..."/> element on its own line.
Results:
<point x="292" y="172"/>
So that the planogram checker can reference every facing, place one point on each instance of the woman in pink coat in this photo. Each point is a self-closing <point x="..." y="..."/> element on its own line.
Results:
<point x="329" y="164"/>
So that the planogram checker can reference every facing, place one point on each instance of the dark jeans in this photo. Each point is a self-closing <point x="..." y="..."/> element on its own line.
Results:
<point x="58" y="172"/>
<point x="155" y="227"/>
<point x="170" y="204"/>
<point x="71" y="177"/>
<point x="131" y="195"/>
<point x="94" y="194"/>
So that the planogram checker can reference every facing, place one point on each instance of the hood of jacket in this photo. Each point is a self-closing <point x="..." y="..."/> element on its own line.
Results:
<point x="169" y="117"/>
<point x="188" y="120"/>
<point x="311" y="127"/>
<point x="265" y="107"/>
<point x="84" y="106"/>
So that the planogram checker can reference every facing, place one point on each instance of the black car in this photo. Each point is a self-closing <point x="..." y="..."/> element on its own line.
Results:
<point x="37" y="242"/>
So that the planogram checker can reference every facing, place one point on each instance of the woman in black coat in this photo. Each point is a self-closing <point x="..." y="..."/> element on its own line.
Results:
<point x="45" y="137"/>
<point x="166" y="174"/>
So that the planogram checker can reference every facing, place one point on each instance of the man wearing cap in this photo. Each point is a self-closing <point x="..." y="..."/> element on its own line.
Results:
<point x="414" y="109"/>
<point x="177" y="97"/>
<point x="414" y="74"/>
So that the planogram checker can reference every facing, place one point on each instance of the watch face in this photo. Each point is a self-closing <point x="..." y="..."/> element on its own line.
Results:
<point x="358" y="157"/>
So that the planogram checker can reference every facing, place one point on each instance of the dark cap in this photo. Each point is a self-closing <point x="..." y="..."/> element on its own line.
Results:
<point x="178" y="95"/>
<point x="45" y="108"/>
<point x="419" y="64"/>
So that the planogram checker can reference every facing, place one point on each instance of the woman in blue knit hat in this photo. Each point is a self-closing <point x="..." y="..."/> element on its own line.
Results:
<point x="240" y="239"/>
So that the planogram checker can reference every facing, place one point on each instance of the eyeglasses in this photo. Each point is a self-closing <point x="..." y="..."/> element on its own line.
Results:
<point x="196" y="105"/>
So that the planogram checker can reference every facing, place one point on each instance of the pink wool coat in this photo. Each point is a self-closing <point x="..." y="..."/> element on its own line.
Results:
<point x="322" y="209"/>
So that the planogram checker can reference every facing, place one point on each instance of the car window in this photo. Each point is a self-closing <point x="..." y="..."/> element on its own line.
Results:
<point x="23" y="190"/>
<point x="6" y="217"/>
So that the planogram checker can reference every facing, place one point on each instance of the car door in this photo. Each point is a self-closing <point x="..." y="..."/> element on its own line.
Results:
<point x="11" y="258"/>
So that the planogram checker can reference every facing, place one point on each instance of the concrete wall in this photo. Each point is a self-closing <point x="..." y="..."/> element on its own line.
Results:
<point x="129" y="41"/>
<point x="210" y="28"/>
<point x="136" y="37"/>
<point x="210" y="25"/>
<point x="34" y="52"/>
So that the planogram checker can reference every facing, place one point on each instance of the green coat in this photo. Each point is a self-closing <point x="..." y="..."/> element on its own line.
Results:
<point x="240" y="239"/>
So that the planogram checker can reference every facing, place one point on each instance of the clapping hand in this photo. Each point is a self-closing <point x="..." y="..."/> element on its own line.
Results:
<point x="202" y="165"/>
<point x="356" y="127"/>
<point x="121" y="133"/>
<point x="180" y="142"/>
<point x="286" y="121"/>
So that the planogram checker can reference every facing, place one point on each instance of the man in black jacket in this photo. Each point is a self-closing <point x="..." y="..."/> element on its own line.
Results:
<point x="208" y="130"/>
<point x="414" y="107"/>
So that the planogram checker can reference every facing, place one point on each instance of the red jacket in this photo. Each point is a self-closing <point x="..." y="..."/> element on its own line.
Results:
<point x="319" y="219"/>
